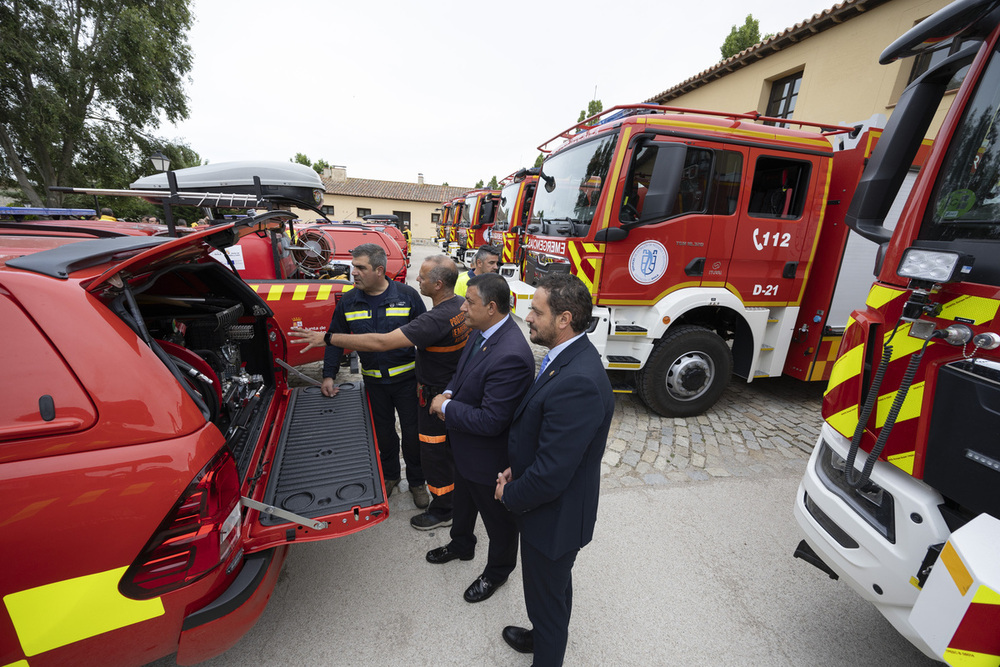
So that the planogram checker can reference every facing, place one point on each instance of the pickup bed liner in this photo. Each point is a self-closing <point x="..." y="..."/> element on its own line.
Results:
<point x="326" y="460"/>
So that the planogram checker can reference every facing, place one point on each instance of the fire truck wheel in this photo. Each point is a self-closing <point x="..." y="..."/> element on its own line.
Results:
<point x="686" y="373"/>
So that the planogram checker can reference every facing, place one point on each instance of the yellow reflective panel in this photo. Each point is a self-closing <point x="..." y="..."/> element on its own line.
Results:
<point x="64" y="612"/>
<point x="903" y="461"/>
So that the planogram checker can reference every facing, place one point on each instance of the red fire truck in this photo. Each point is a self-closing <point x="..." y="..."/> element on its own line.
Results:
<point x="475" y="227"/>
<point x="516" y="194"/>
<point x="450" y="242"/>
<point x="712" y="244"/>
<point x="900" y="498"/>
<point x="441" y="229"/>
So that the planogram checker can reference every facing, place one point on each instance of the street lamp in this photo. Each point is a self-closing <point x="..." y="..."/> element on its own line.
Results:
<point x="160" y="161"/>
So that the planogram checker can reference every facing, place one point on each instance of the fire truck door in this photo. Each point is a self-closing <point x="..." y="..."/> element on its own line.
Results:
<point x="662" y="252"/>
<point x="777" y="224"/>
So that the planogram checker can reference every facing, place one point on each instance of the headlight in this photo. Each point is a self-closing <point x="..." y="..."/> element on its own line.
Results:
<point x="872" y="503"/>
<point x="936" y="266"/>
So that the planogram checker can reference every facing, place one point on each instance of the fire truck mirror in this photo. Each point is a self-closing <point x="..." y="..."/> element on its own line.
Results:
<point x="664" y="182"/>
<point x="610" y="234"/>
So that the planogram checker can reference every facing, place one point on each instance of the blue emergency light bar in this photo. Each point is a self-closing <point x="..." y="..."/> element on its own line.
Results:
<point x="51" y="212"/>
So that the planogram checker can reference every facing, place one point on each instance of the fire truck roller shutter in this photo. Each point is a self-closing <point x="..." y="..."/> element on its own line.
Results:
<point x="686" y="372"/>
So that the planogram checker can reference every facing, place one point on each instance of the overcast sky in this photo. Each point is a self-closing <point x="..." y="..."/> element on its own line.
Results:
<point x="458" y="90"/>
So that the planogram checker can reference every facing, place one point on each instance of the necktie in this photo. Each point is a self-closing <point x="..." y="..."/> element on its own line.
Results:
<point x="545" y="362"/>
<point x="478" y="346"/>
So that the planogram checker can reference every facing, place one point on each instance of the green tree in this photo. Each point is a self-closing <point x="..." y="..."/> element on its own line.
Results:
<point x="540" y="159"/>
<point x="479" y="183"/>
<point x="85" y="81"/>
<point x="594" y="107"/>
<point x="741" y="38"/>
<point x="319" y="165"/>
<point x="493" y="184"/>
<point x="301" y="158"/>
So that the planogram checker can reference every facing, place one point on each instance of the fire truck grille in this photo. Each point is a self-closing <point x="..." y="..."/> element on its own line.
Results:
<point x="326" y="460"/>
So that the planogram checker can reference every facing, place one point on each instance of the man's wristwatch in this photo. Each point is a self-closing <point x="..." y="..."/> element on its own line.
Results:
<point x="326" y="337"/>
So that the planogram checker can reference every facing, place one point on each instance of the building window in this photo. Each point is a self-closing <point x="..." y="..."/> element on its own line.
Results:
<point x="327" y="210"/>
<point x="404" y="217"/>
<point x="435" y="217"/>
<point x="362" y="212"/>
<point x="784" y="93"/>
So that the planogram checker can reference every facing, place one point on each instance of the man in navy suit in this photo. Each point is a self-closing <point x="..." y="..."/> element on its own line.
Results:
<point x="493" y="375"/>
<point x="557" y="440"/>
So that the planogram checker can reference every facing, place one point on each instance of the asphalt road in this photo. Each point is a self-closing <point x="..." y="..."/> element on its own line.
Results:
<point x="691" y="564"/>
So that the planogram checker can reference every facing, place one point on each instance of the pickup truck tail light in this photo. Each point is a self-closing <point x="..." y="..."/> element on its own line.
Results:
<point x="196" y="536"/>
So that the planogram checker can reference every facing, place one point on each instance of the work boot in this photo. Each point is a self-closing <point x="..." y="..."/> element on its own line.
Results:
<point x="390" y="484"/>
<point x="430" y="521"/>
<point x="420" y="496"/>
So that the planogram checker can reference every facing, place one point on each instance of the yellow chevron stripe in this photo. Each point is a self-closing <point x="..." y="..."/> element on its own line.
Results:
<point x="274" y="294"/>
<point x="910" y="409"/>
<point x="324" y="292"/>
<point x="849" y="365"/>
<point x="879" y="296"/>
<point x="903" y="344"/>
<point x="903" y="461"/>
<point x="966" y="658"/>
<point x="986" y="595"/>
<point x="974" y="308"/>
<point x="300" y="292"/>
<point x="845" y="421"/>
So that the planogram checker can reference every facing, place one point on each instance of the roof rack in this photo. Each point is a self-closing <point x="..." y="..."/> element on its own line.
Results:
<point x="624" y="110"/>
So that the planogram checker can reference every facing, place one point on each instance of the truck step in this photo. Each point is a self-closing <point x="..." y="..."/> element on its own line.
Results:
<point x="761" y="374"/>
<point x="629" y="330"/>
<point x="616" y="361"/>
<point x="621" y="388"/>
<point x="766" y="348"/>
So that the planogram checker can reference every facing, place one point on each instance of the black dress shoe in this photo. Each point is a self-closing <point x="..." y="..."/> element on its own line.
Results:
<point x="481" y="589"/>
<point x="519" y="639"/>
<point x="444" y="555"/>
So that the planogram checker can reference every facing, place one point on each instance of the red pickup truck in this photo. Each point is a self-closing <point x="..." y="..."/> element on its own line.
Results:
<point x="154" y="463"/>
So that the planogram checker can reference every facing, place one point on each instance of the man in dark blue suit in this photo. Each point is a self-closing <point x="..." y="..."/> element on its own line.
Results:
<point x="493" y="375"/>
<point x="557" y="440"/>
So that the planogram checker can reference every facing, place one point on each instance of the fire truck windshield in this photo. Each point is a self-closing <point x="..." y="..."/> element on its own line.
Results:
<point x="470" y="205"/>
<point x="963" y="213"/>
<point x="965" y="203"/>
<point x="570" y="187"/>
<point x="504" y="212"/>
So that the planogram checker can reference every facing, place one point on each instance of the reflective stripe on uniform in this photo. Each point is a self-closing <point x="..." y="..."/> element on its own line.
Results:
<point x="393" y="372"/>
<point x="399" y="370"/>
<point x="398" y="312"/>
<point x="60" y="613"/>
<point x="440" y="491"/>
<point x="433" y="438"/>
<point x="358" y="315"/>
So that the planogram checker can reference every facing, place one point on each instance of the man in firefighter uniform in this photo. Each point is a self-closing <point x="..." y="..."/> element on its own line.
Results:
<point x="486" y="260"/>
<point x="379" y="305"/>
<point x="439" y="336"/>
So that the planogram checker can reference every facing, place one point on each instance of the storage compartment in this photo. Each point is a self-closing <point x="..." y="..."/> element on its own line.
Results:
<point x="963" y="447"/>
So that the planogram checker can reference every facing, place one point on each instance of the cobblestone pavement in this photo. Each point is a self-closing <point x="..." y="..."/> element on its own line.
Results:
<point x="764" y="428"/>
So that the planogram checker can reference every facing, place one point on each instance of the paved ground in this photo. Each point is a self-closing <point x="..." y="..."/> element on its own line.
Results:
<point x="763" y="428"/>
<point x="690" y="564"/>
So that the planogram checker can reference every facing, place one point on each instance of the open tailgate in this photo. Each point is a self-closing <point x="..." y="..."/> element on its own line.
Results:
<point x="321" y="477"/>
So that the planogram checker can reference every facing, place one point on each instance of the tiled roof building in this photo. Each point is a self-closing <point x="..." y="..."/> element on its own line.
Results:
<point x="417" y="203"/>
